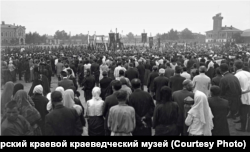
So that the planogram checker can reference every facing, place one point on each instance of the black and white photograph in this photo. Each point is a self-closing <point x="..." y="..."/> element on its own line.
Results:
<point x="125" y="68"/>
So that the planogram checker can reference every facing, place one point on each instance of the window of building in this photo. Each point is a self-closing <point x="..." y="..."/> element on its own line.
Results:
<point x="1" y="33"/>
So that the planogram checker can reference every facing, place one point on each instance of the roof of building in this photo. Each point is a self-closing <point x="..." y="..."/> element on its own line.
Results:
<point x="10" y="26"/>
<point x="226" y="29"/>
<point x="246" y="33"/>
<point x="231" y="28"/>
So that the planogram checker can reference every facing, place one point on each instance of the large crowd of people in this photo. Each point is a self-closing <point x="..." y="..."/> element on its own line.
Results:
<point x="178" y="90"/>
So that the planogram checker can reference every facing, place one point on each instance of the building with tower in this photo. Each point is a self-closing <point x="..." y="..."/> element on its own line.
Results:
<point x="219" y="33"/>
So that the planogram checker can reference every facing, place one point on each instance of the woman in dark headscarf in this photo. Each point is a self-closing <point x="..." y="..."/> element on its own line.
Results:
<point x="28" y="111"/>
<point x="18" y="87"/>
<point x="166" y="115"/>
<point x="6" y="95"/>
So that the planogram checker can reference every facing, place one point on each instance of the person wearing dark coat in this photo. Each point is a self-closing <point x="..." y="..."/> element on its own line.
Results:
<point x="216" y="80"/>
<point x="230" y="90"/>
<point x="180" y="97"/>
<point x="158" y="83"/>
<point x="70" y="76"/>
<point x="95" y="70"/>
<point x="50" y="72"/>
<point x="175" y="82"/>
<point x="144" y="106"/>
<point x="40" y="104"/>
<point x="65" y="82"/>
<point x="151" y="78"/>
<point x="27" y="70"/>
<point x="88" y="84"/>
<point x="42" y="80"/>
<point x="166" y="114"/>
<point x="80" y="72"/>
<point x="62" y="121"/>
<point x="104" y="84"/>
<point x="109" y="102"/>
<point x="169" y="72"/>
<point x="131" y="73"/>
<point x="141" y="70"/>
<point x="219" y="108"/>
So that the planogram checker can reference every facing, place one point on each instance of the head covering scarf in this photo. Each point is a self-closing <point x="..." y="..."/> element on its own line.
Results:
<point x="38" y="89"/>
<point x="25" y="108"/>
<point x="6" y="94"/>
<point x="69" y="101"/>
<point x="68" y="98"/>
<point x="18" y="87"/>
<point x="201" y="110"/>
<point x="96" y="93"/>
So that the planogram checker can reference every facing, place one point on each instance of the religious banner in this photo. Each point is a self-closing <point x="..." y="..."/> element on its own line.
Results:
<point x="144" y="37"/>
<point x="159" y="42"/>
<point x="112" y="37"/>
<point x="151" y="42"/>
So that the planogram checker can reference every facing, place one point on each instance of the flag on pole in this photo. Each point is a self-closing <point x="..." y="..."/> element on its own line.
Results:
<point x="88" y="37"/>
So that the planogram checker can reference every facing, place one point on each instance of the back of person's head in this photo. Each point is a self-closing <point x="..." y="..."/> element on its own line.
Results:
<point x="202" y="69"/>
<point x="59" y="60"/>
<point x="104" y="73"/>
<point x="217" y="71"/>
<point x="184" y="69"/>
<point x="121" y="72"/>
<point x="188" y="84"/>
<point x="215" y="91"/>
<point x="168" y="64"/>
<point x="117" y="85"/>
<point x="64" y="74"/>
<point x="238" y="64"/>
<point x="119" y="63"/>
<point x="56" y="96"/>
<point x="88" y="71"/>
<point x="121" y="95"/>
<point x="165" y="94"/>
<point x="69" y="71"/>
<point x="11" y="104"/>
<point x="154" y="68"/>
<point x="195" y="66"/>
<point x="178" y="69"/>
<point x="202" y="64"/>
<point x="136" y="83"/>
<point x="224" y="67"/>
<point x="123" y="81"/>
<point x="131" y="65"/>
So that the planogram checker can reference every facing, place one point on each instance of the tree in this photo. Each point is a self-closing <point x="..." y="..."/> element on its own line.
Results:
<point x="187" y="34"/>
<point x="130" y="37"/>
<point x="172" y="35"/>
<point x="62" y="35"/>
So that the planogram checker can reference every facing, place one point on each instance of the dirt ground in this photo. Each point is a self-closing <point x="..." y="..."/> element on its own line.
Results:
<point x="54" y="80"/>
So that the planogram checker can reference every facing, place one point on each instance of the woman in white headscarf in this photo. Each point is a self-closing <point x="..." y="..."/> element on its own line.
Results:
<point x="40" y="104"/>
<point x="103" y="67"/>
<point x="200" y="117"/>
<point x="68" y="101"/>
<point x="49" y="105"/>
<point x="94" y="114"/>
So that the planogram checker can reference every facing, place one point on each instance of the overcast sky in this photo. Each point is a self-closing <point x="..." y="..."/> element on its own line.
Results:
<point x="45" y="17"/>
